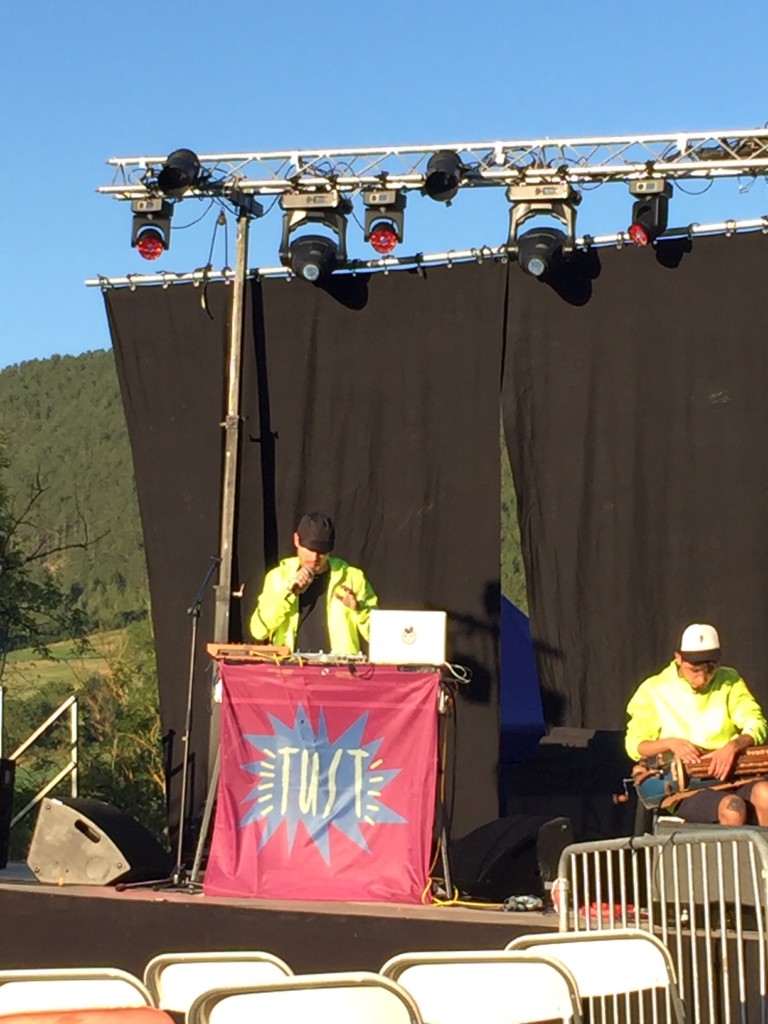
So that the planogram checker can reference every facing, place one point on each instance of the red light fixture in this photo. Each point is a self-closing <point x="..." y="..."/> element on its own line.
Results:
<point x="151" y="230"/>
<point x="384" y="214"/>
<point x="649" y="211"/>
<point x="149" y="244"/>
<point x="638" y="234"/>
<point x="383" y="237"/>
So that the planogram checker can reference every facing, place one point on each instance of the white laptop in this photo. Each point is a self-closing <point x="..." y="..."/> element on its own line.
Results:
<point x="407" y="638"/>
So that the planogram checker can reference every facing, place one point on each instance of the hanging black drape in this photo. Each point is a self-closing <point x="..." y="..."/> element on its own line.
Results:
<point x="633" y="396"/>
<point x="376" y="401"/>
<point x="636" y="418"/>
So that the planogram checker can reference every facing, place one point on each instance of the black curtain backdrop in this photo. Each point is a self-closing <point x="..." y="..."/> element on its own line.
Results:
<point x="636" y="415"/>
<point x="170" y="350"/>
<point x="376" y="401"/>
<point x="634" y="404"/>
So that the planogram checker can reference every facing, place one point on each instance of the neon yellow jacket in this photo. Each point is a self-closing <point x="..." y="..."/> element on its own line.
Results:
<point x="665" y="706"/>
<point x="276" y="616"/>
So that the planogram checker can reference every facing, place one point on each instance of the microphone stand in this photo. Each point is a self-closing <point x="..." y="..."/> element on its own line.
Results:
<point x="178" y="875"/>
<point x="178" y="878"/>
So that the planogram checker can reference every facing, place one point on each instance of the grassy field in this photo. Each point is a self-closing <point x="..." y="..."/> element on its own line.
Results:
<point x="26" y="671"/>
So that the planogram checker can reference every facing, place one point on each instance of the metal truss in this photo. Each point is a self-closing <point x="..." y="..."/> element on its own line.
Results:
<point x="500" y="253"/>
<point x="727" y="153"/>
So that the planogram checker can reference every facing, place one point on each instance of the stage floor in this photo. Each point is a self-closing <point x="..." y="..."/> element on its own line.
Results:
<point x="71" y="926"/>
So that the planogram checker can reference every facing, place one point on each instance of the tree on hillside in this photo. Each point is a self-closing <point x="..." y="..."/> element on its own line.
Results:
<point x="122" y="760"/>
<point x="64" y="421"/>
<point x="34" y="608"/>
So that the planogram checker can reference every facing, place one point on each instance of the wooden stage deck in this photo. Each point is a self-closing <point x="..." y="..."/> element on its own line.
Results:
<point x="70" y="926"/>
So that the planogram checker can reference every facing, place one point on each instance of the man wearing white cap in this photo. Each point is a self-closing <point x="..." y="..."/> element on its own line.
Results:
<point x="695" y="707"/>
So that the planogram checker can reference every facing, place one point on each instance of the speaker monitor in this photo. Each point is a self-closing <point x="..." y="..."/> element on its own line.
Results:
<point x="7" y="771"/>
<point x="513" y="856"/>
<point x="709" y="874"/>
<point x="88" y="842"/>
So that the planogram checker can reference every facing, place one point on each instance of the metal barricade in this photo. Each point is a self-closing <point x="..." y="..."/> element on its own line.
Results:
<point x="703" y="890"/>
<point x="70" y="769"/>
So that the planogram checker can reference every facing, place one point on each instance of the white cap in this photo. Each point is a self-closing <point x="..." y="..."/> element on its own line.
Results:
<point x="700" y="642"/>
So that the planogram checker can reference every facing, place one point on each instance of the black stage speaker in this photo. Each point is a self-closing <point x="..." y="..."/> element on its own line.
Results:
<point x="7" y="772"/>
<point x="513" y="856"/>
<point x="698" y="876"/>
<point x="88" y="842"/>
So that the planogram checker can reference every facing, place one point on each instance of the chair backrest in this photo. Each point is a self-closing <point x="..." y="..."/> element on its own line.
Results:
<point x="611" y="962"/>
<point x="486" y="987"/>
<point x="346" y="998"/>
<point x="91" y="1015"/>
<point x="70" y="989"/>
<point x="175" y="980"/>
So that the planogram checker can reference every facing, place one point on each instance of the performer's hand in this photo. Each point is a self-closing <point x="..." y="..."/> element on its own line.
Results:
<point x="302" y="580"/>
<point x="685" y="750"/>
<point x="347" y="597"/>
<point x="721" y="761"/>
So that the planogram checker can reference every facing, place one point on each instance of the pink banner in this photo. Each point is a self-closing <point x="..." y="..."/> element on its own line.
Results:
<point x="327" y="785"/>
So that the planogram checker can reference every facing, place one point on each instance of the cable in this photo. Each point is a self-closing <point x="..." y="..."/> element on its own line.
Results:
<point x="206" y="211"/>
<point x="689" y="192"/>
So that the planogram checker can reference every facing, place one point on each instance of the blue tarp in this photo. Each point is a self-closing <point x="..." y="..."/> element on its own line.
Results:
<point x="522" y="717"/>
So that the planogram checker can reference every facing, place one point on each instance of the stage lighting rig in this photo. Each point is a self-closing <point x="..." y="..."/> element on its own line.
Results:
<point x="542" y="248"/>
<point x="649" y="211"/>
<point x="444" y="173"/>
<point x="384" y="210"/>
<point x="180" y="172"/>
<point x="310" y="256"/>
<point x="151" y="229"/>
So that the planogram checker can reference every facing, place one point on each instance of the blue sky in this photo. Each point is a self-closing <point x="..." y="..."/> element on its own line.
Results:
<point x="81" y="81"/>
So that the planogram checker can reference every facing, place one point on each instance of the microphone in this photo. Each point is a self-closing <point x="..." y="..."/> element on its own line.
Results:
<point x="294" y="588"/>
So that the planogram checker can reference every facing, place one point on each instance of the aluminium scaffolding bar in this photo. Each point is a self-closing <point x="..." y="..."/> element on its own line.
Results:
<point x="599" y="159"/>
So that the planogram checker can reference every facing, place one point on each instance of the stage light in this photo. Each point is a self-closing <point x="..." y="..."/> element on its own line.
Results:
<point x="180" y="172"/>
<point x="540" y="250"/>
<point x="151" y="229"/>
<point x="383" y="218"/>
<point x="649" y="212"/>
<point x="314" y="257"/>
<point x="443" y="176"/>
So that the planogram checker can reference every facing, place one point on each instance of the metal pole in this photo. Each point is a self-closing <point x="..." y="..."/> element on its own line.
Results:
<point x="223" y="589"/>
<point x="74" y="739"/>
<point x="231" y="426"/>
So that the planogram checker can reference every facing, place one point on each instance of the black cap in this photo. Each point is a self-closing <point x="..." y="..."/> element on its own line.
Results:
<point x="317" y="532"/>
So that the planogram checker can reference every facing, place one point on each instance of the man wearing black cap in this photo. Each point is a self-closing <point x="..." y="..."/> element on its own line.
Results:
<point x="695" y="708"/>
<point x="312" y="601"/>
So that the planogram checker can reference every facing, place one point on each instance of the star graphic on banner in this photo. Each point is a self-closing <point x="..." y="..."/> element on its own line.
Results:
<point x="304" y="777"/>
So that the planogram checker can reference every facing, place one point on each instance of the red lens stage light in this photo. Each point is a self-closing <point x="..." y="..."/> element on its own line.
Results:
<point x="638" y="234"/>
<point x="383" y="237"/>
<point x="150" y="244"/>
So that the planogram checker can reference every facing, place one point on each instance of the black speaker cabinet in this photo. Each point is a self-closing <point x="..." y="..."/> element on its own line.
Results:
<point x="697" y="875"/>
<point x="7" y="771"/>
<point x="88" y="842"/>
<point x="513" y="856"/>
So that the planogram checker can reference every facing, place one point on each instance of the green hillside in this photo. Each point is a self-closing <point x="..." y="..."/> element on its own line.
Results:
<point x="65" y="437"/>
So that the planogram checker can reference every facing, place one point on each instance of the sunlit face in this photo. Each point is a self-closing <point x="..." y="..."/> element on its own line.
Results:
<point x="317" y="561"/>
<point x="696" y="675"/>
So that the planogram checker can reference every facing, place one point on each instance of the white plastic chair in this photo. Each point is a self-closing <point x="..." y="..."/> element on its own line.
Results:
<point x="347" y="998"/>
<point x="91" y="1015"/>
<point x="70" y="989"/>
<point x="175" y="980"/>
<point x="486" y="987"/>
<point x="611" y="963"/>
